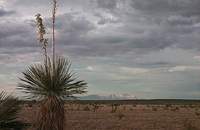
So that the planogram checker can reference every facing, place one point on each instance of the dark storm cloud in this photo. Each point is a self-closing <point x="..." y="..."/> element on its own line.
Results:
<point x="48" y="3"/>
<point x="173" y="21"/>
<point x="168" y="7"/>
<point x="4" y="12"/>
<point x="141" y="43"/>
<point x="70" y="24"/>
<point x="16" y="34"/>
<point x="11" y="29"/>
<point x="107" y="4"/>
<point x="160" y="24"/>
<point x="29" y="2"/>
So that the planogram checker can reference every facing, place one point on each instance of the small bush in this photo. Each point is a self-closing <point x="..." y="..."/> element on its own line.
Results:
<point x="175" y="109"/>
<point x="114" y="108"/>
<point x="86" y="108"/>
<point x="95" y="107"/>
<point x="189" y="125"/>
<point x="134" y="105"/>
<point x="197" y="113"/>
<point x="154" y="109"/>
<point x="120" y="115"/>
<point x="124" y="108"/>
<point x="168" y="105"/>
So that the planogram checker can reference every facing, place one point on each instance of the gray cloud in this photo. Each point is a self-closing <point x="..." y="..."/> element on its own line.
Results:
<point x="16" y="34"/>
<point x="111" y="38"/>
<point x="4" y="12"/>
<point x="105" y="4"/>
<point x="168" y="7"/>
<point x="70" y="24"/>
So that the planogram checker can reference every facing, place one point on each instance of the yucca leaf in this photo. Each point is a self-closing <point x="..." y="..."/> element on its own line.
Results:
<point x="42" y="80"/>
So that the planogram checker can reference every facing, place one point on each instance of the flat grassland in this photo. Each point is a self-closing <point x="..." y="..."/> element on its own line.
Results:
<point x="127" y="115"/>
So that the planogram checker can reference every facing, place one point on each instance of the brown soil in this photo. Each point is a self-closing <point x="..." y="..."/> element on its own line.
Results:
<point x="126" y="117"/>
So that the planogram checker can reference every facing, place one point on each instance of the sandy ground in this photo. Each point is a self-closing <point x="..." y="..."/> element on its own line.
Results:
<point x="126" y="117"/>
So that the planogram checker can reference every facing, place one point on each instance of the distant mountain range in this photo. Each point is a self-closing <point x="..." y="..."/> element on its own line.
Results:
<point x="108" y="97"/>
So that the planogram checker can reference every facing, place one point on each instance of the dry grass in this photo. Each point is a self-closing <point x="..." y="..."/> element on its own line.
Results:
<point x="126" y="117"/>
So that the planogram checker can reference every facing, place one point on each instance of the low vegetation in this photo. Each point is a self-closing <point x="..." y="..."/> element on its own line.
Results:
<point x="142" y="117"/>
<point x="9" y="108"/>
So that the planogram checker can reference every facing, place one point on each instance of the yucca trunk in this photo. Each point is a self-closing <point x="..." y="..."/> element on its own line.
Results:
<point x="51" y="114"/>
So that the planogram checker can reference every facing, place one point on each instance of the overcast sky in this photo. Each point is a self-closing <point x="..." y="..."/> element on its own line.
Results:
<point x="144" y="48"/>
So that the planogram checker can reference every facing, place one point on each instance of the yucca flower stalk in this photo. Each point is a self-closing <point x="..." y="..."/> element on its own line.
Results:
<point x="53" y="29"/>
<point x="9" y="108"/>
<point x="41" y="35"/>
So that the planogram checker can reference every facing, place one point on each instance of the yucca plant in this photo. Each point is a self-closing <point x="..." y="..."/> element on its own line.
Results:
<point x="52" y="85"/>
<point x="50" y="82"/>
<point x="9" y="108"/>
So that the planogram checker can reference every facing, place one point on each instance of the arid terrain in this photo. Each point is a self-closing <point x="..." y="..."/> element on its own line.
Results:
<point x="128" y="116"/>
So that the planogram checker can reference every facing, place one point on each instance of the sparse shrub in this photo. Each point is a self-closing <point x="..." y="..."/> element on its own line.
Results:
<point x="124" y="108"/>
<point x="154" y="109"/>
<point x="192" y="106"/>
<point x="134" y="105"/>
<point x="185" y="106"/>
<point x="189" y="125"/>
<point x="175" y="109"/>
<point x="95" y="107"/>
<point x="197" y="113"/>
<point x="114" y="108"/>
<point x="165" y="108"/>
<point x="120" y="115"/>
<point x="30" y="105"/>
<point x="86" y="108"/>
<point x="72" y="106"/>
<point x="168" y="105"/>
<point x="9" y="108"/>
<point x="78" y="108"/>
